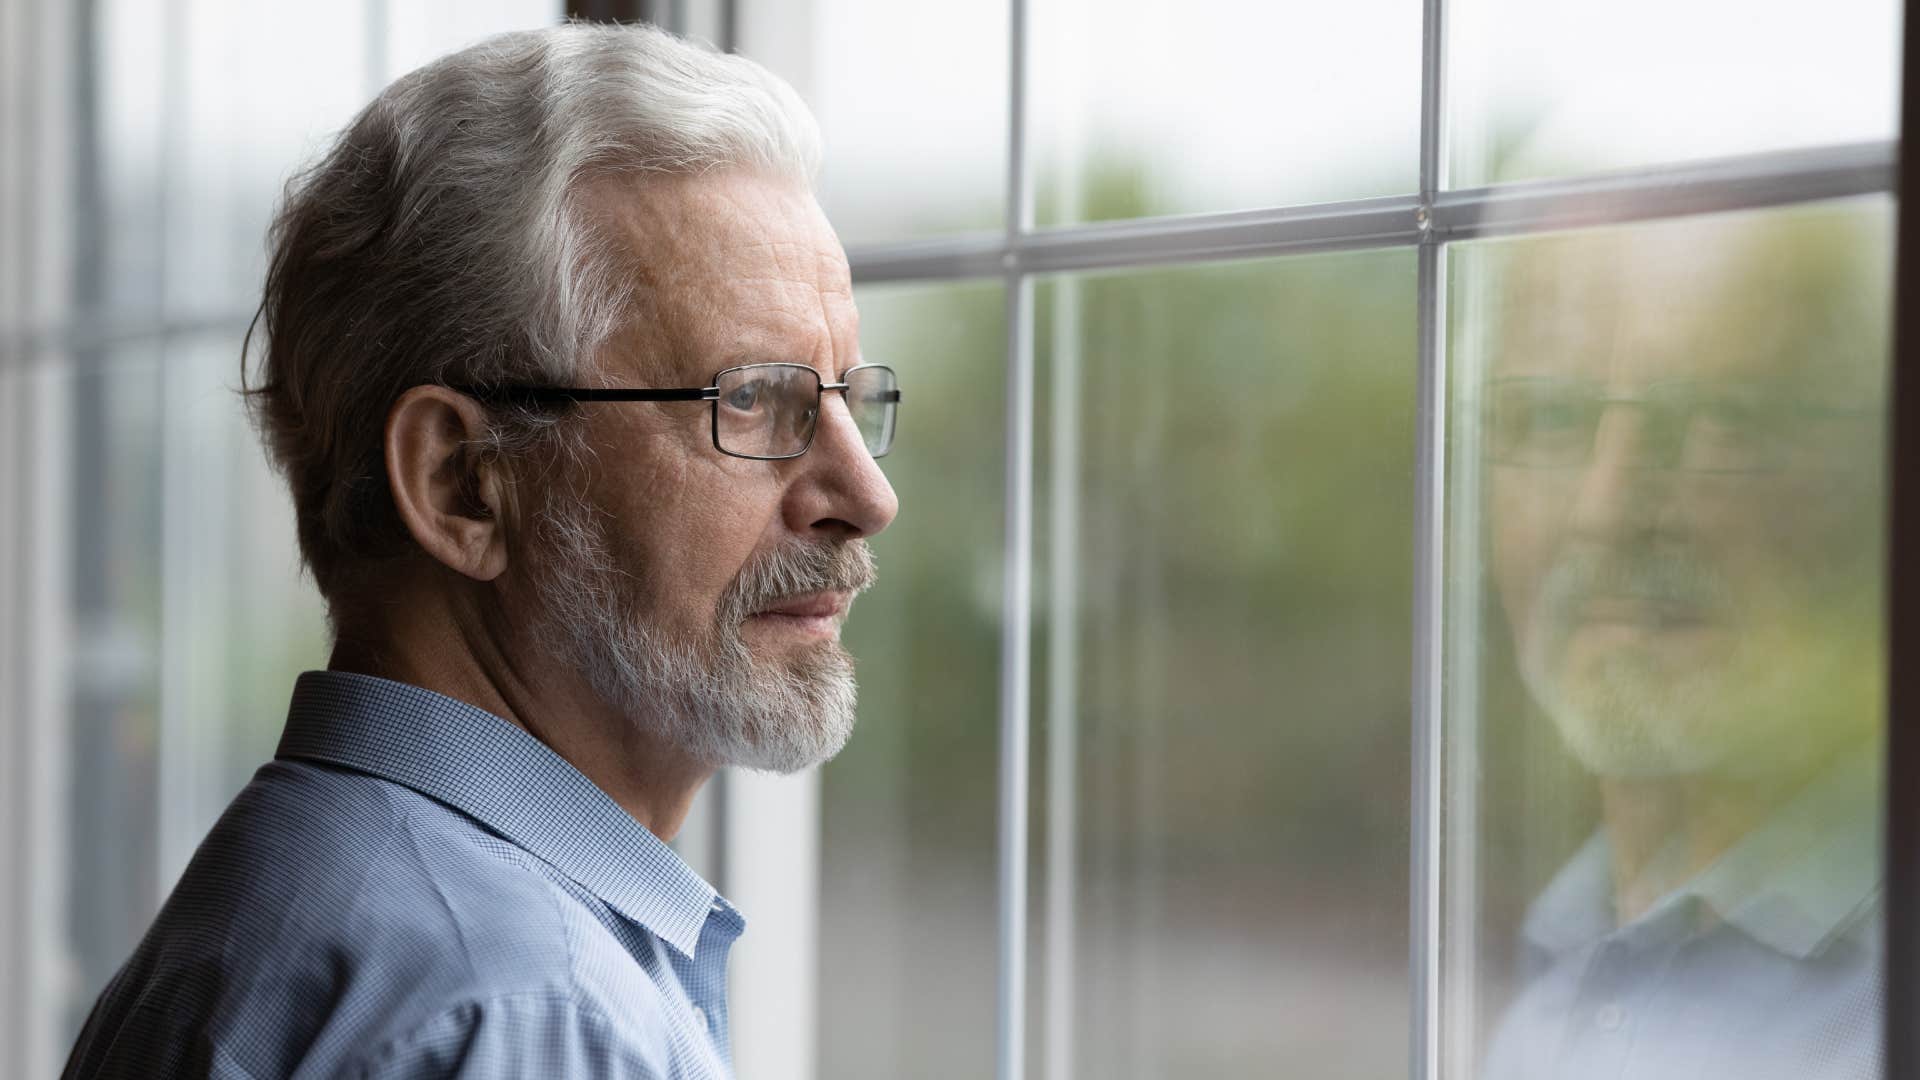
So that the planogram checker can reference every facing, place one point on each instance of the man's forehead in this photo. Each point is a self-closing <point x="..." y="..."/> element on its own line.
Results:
<point x="1630" y="308"/>
<point x="726" y="267"/>
<point x="690" y="228"/>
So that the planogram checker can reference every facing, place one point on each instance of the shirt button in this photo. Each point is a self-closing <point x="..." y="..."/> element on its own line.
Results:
<point x="700" y="1014"/>
<point x="1610" y="1017"/>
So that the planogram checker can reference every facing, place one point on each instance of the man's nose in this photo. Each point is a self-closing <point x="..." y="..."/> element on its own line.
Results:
<point x="840" y="492"/>
<point x="1628" y="479"/>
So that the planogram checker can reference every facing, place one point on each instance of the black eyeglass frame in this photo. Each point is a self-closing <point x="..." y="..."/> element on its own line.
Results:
<point x="1652" y="401"/>
<point x="568" y="395"/>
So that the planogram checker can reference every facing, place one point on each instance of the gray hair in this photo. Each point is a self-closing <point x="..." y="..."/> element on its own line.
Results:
<point x="442" y="239"/>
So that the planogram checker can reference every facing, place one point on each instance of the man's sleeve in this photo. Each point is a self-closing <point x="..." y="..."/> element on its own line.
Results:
<point x="516" y="1035"/>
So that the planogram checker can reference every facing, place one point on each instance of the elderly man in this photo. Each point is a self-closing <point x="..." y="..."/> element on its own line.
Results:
<point x="561" y="366"/>
<point x="1684" y="492"/>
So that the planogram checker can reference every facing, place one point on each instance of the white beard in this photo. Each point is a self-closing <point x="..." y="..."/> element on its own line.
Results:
<point x="712" y="699"/>
<point x="1629" y="714"/>
<point x="1626" y="719"/>
<point x="1783" y="693"/>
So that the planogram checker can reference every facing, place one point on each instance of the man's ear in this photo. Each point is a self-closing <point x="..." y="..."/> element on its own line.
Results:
<point x="448" y="499"/>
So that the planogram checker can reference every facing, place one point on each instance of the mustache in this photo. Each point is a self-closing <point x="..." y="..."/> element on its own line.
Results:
<point x="1662" y="576"/>
<point x="796" y="569"/>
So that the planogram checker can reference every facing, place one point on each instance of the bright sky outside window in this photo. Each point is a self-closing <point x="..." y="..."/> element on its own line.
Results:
<point x="911" y="96"/>
<point x="1546" y="88"/>
<point x="1230" y="106"/>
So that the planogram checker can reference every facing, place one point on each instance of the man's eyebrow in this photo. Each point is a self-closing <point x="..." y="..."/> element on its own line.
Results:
<point x="769" y="352"/>
<point x="794" y="343"/>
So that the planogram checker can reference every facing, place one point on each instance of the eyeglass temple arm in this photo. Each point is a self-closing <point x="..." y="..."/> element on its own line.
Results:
<point x="884" y="395"/>
<point x="554" y="395"/>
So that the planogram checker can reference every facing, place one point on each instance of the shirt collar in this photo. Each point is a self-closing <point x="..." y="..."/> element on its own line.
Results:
<point x="1576" y="907"/>
<point x="510" y="782"/>
<point x="1808" y="873"/>
<point x="1802" y="879"/>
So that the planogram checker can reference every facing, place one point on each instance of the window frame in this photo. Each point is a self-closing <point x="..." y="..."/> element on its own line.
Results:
<point x="1428" y="220"/>
<point x="1902" y="842"/>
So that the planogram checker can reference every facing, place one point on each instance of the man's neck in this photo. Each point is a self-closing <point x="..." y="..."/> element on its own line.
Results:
<point x="444" y="644"/>
<point x="1661" y="832"/>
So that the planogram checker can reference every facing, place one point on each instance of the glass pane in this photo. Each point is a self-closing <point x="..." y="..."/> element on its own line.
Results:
<point x="307" y="69"/>
<point x="113" y="590"/>
<point x="189" y="620"/>
<point x="911" y="96"/>
<point x="181" y="615"/>
<point x="1229" y="106"/>
<point x="35" y="699"/>
<point x="120" y="148"/>
<point x="239" y="617"/>
<point x="1227" y="520"/>
<point x="1665" y="648"/>
<point x="1542" y="88"/>
<point x="908" y="809"/>
<point x="251" y="93"/>
<point x="421" y="31"/>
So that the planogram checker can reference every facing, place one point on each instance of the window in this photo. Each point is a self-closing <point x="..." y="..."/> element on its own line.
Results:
<point x="152" y="613"/>
<point x="1442" y="475"/>
<point x="1223" y="859"/>
<point x="1389" y="572"/>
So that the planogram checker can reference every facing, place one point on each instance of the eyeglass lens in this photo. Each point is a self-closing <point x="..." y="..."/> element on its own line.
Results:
<point x="770" y="410"/>
<point x="873" y="394"/>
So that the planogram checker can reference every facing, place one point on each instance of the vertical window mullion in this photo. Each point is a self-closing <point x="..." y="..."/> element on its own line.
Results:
<point x="1015" y="680"/>
<point x="1429" y="579"/>
<point x="1015" y="644"/>
<point x="1429" y="583"/>
<point x="1063" y="729"/>
<point x="185" y="741"/>
<point x="373" y="48"/>
<point x="1902" y="850"/>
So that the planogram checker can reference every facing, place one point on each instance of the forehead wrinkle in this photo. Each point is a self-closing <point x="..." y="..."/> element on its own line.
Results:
<point x="800" y="307"/>
<point x="728" y="262"/>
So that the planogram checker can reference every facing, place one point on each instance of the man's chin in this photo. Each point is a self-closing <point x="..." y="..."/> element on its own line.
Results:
<point x="1612" y="750"/>
<point x="792" y="710"/>
<point x="1625" y="715"/>
<point x="796" y="747"/>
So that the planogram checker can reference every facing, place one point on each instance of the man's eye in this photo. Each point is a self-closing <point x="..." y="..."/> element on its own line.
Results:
<point x="1553" y="417"/>
<point x="1735" y="417"/>
<point x="1547" y="416"/>
<point x="746" y="396"/>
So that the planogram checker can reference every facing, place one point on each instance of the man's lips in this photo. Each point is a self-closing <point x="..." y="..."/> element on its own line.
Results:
<point x="1643" y="611"/>
<point x="815" y="605"/>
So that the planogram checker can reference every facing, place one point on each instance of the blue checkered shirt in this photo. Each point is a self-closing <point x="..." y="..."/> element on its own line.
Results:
<point x="418" y="888"/>
<point x="1768" y="965"/>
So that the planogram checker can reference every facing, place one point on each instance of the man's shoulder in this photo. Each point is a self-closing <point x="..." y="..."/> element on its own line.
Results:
<point x="330" y="911"/>
<point x="314" y="855"/>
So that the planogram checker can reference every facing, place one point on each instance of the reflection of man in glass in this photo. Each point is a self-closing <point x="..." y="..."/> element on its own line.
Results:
<point x="1684" y="481"/>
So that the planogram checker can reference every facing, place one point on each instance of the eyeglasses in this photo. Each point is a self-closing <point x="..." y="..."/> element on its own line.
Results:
<point x="767" y="412"/>
<point x="1695" y="425"/>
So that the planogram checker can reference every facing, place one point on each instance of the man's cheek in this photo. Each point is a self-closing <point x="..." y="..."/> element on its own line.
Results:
<point x="1521" y="547"/>
<point x="722" y="538"/>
